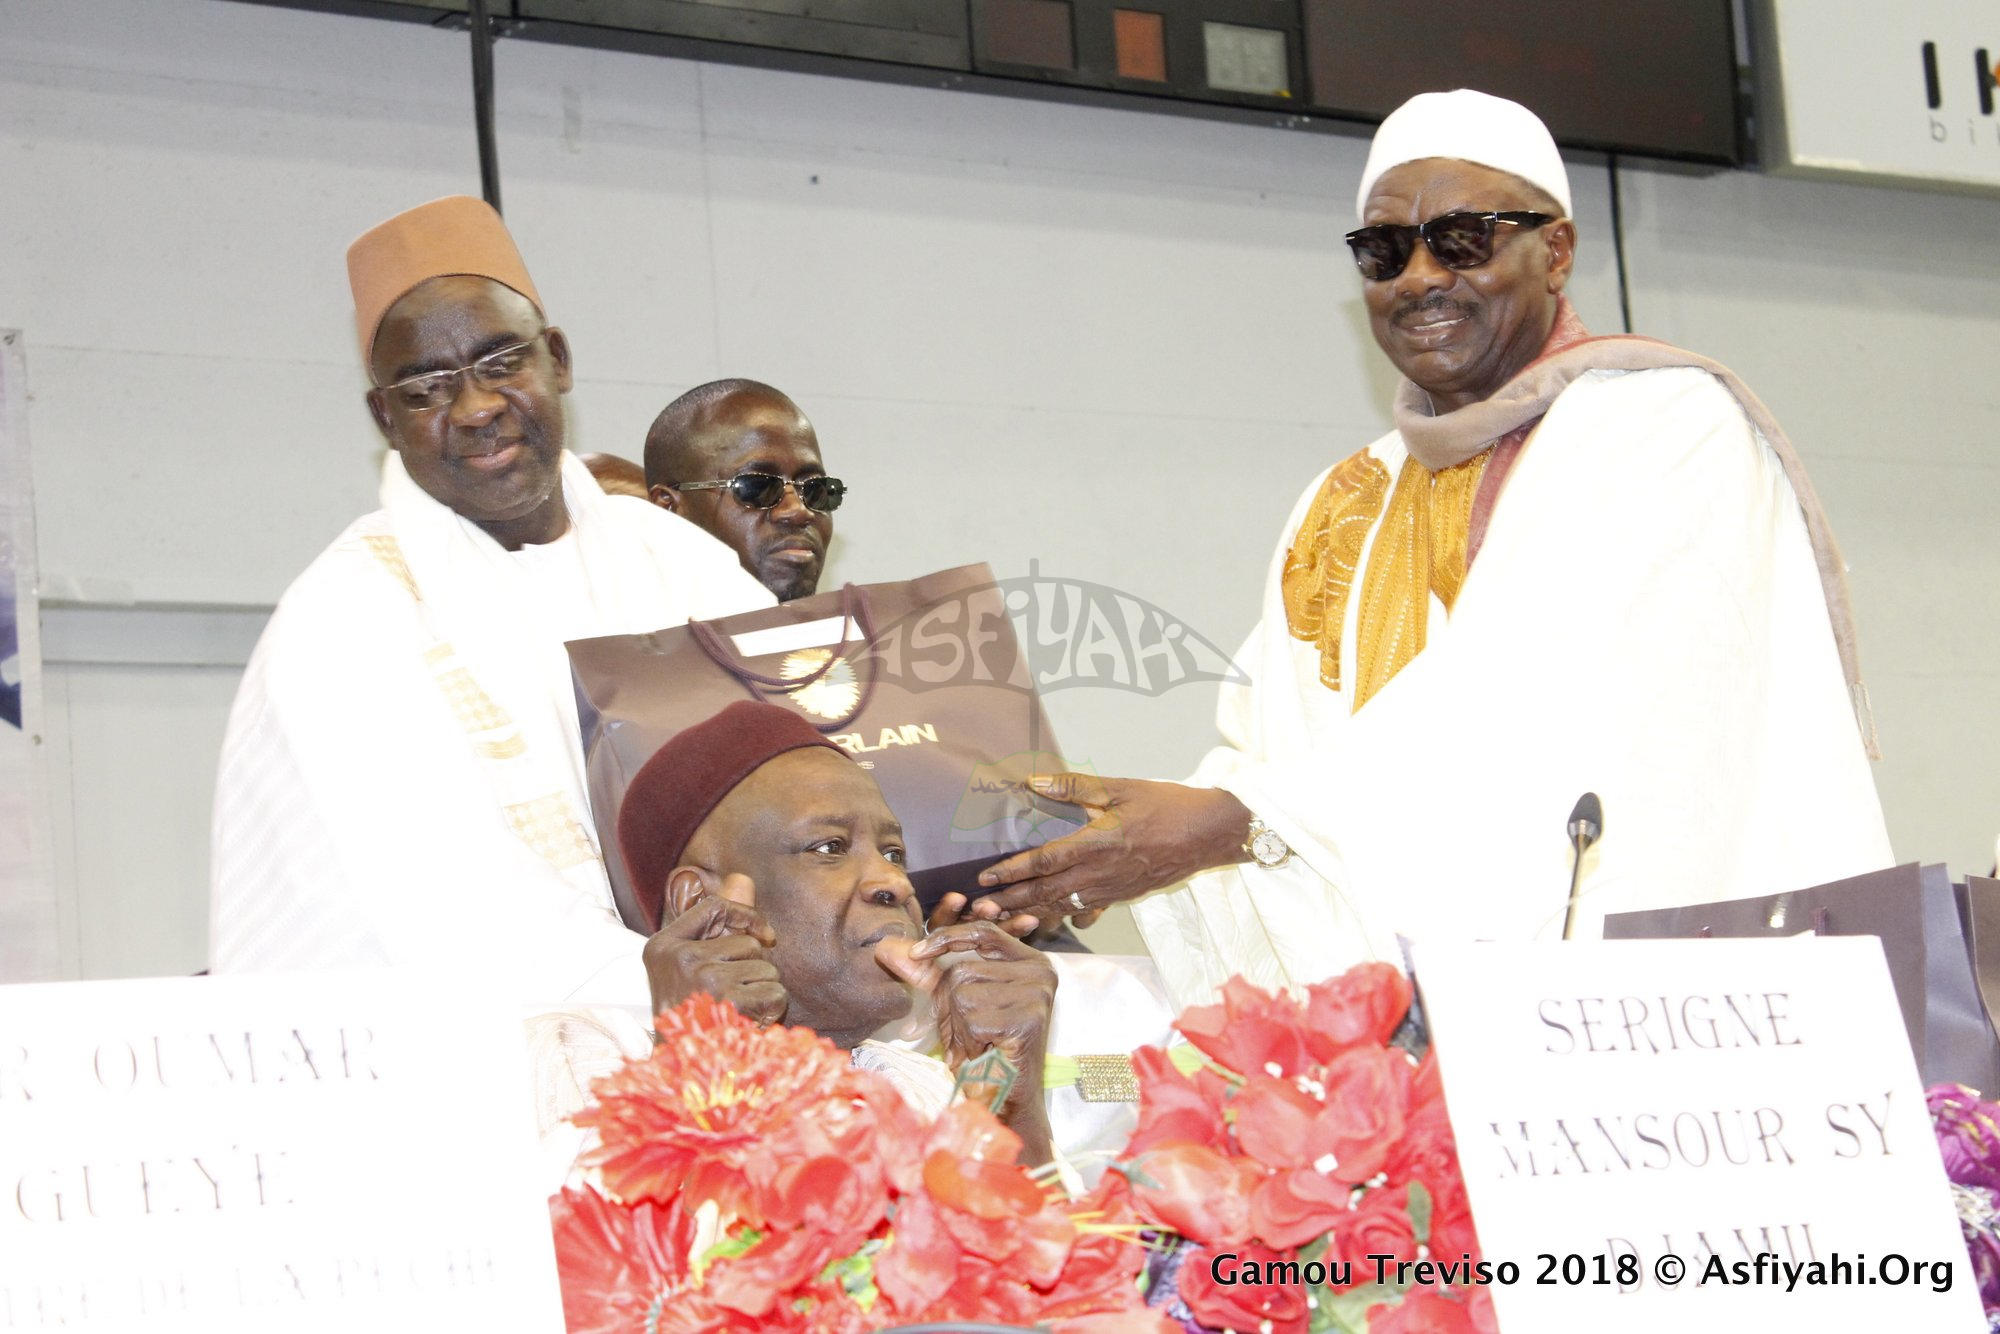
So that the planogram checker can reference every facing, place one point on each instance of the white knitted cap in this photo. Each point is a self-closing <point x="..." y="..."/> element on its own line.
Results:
<point x="1472" y="127"/>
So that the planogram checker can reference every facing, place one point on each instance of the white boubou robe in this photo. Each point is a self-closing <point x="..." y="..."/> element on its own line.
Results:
<point x="402" y="779"/>
<point x="1644" y="620"/>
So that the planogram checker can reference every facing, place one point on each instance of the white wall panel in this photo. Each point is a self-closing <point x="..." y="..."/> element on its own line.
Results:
<point x="140" y="743"/>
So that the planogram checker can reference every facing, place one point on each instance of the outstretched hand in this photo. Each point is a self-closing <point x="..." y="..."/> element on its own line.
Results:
<point x="1142" y="836"/>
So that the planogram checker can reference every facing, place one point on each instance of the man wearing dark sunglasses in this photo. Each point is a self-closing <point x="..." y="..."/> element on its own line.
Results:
<point x="739" y="459"/>
<point x="1574" y="564"/>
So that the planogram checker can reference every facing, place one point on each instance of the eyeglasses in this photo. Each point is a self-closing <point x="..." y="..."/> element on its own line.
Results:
<point x="1456" y="240"/>
<point x="762" y="491"/>
<point x="434" y="389"/>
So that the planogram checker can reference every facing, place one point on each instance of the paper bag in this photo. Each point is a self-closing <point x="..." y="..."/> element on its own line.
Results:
<point x="923" y="682"/>
<point x="1915" y="910"/>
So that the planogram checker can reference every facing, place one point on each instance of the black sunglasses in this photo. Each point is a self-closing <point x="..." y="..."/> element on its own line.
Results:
<point x="763" y="491"/>
<point x="1456" y="240"/>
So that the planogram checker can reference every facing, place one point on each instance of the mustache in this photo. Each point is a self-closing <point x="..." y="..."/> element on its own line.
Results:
<point x="1433" y="303"/>
<point x="506" y="426"/>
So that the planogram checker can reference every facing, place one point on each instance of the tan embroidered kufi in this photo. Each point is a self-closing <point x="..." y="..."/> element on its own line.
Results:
<point x="446" y="237"/>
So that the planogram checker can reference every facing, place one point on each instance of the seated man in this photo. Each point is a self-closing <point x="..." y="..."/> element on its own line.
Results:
<point x="778" y="870"/>
<point x="739" y="459"/>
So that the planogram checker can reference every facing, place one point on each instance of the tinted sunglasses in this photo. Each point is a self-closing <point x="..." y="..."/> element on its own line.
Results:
<point x="1456" y="240"/>
<point x="763" y="491"/>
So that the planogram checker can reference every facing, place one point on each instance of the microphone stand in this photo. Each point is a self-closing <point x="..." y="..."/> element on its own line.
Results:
<point x="1575" y="875"/>
<point x="1586" y="826"/>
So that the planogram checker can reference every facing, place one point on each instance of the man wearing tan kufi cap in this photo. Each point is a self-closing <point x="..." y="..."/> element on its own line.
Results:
<point x="1575" y="564"/>
<point x="400" y="780"/>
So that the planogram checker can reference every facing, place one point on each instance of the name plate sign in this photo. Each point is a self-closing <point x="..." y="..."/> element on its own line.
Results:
<point x="289" y="1152"/>
<point x="1695" y="1134"/>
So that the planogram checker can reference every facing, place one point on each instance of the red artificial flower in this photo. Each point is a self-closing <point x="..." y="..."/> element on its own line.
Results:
<point x="898" y="1132"/>
<point x="1422" y="1311"/>
<point x="1136" y="1321"/>
<point x="1425" y="1152"/>
<point x="1220" y="1304"/>
<point x="626" y="1269"/>
<point x="1361" y="1008"/>
<point x="616" y="1262"/>
<point x="1367" y="1093"/>
<point x="1196" y="1191"/>
<point x="1479" y="1303"/>
<point x="1252" y="1032"/>
<point x="924" y="1275"/>
<point x="1380" y="1225"/>
<point x="838" y="1196"/>
<point x="716" y="1094"/>
<point x="1290" y="1208"/>
<point x="820" y="1310"/>
<point x="981" y="1239"/>
<point x="772" y="1272"/>
<point x="1452" y="1232"/>
<point x="916" y="1269"/>
<point x="1174" y="1108"/>
<point x="1427" y="1088"/>
<point x="1101" y="1274"/>
<point x="989" y="1204"/>
<point x="1275" y="1122"/>
<point x="969" y="1165"/>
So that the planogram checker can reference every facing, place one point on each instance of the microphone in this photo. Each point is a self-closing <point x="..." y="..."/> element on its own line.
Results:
<point x="1586" y="826"/>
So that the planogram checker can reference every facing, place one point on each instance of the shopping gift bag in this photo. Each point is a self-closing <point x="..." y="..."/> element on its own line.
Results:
<point x="923" y="682"/>
<point x="1927" y="937"/>
<point x="1979" y="900"/>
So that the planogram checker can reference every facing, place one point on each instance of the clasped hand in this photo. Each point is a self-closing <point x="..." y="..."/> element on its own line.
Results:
<point x="986" y="987"/>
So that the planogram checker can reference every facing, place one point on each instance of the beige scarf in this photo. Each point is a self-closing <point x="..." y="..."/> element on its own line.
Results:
<point x="1330" y="541"/>
<point x="1426" y="543"/>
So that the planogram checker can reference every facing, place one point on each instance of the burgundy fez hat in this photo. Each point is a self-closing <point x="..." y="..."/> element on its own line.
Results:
<point x="687" y="779"/>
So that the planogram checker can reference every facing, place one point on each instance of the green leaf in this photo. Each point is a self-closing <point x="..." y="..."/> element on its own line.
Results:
<point x="1347" y="1312"/>
<point x="1319" y="1315"/>
<point x="730" y="1247"/>
<point x="1420" y="1212"/>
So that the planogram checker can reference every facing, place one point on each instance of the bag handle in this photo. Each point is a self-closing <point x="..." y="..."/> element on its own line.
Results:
<point x="854" y="612"/>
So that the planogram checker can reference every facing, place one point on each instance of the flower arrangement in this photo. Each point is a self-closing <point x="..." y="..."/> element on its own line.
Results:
<point x="751" y="1179"/>
<point x="1968" y="1135"/>
<point x="1306" y="1139"/>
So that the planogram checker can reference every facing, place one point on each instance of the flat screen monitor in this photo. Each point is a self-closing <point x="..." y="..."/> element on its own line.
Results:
<point x="1651" y="77"/>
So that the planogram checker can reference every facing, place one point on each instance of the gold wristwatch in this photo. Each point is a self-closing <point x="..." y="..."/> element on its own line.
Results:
<point x="1265" y="847"/>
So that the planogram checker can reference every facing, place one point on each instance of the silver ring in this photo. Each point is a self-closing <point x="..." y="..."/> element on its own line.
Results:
<point x="1076" y="901"/>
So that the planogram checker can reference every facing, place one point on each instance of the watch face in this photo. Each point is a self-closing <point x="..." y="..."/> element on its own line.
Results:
<point x="1268" y="849"/>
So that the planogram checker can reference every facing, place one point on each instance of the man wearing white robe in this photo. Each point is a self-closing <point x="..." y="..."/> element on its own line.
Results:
<point x="1652" y="609"/>
<point x="401" y="782"/>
